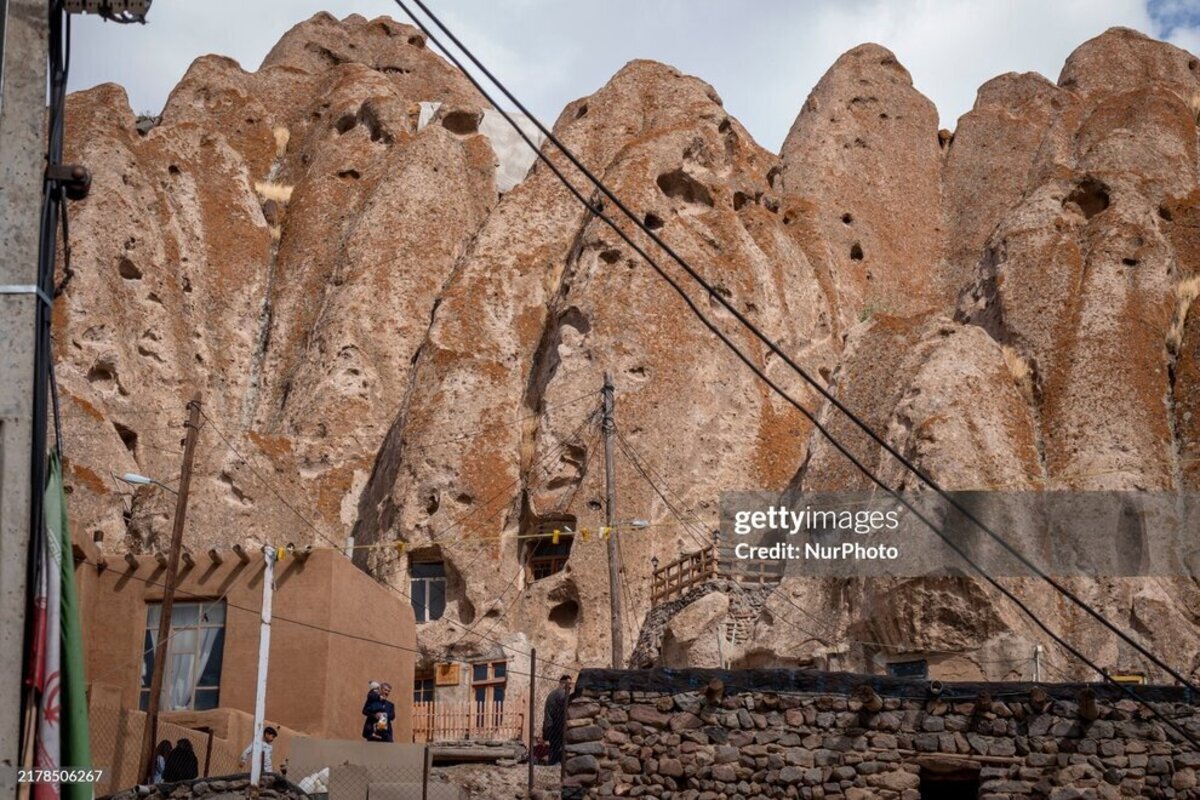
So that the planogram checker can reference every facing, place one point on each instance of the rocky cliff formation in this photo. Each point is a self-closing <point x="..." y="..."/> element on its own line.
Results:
<point x="391" y="348"/>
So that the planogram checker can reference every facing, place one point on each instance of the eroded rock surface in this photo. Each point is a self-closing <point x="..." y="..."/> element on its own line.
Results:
<point x="391" y="346"/>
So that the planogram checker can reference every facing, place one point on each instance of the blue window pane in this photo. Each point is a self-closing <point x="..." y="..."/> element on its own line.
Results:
<point x="206" y="699"/>
<point x="417" y="594"/>
<point x="427" y="569"/>
<point x="212" y="668"/>
<point x="498" y="694"/>
<point x="147" y="658"/>
<point x="479" y="672"/>
<point x="437" y="599"/>
<point x="499" y="669"/>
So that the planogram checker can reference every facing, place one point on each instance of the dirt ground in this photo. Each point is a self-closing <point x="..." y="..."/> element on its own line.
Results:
<point x="493" y="782"/>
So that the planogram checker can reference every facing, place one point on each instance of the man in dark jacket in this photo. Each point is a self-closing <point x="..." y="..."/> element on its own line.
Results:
<point x="554" y="719"/>
<point x="380" y="713"/>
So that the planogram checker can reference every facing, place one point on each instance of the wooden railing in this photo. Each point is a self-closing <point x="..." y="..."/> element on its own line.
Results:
<point x="469" y="721"/>
<point x="674" y="579"/>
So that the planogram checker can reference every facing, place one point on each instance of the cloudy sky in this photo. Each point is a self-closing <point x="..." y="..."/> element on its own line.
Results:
<point x="763" y="56"/>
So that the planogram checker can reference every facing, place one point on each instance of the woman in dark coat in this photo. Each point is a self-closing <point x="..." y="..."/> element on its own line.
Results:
<point x="181" y="764"/>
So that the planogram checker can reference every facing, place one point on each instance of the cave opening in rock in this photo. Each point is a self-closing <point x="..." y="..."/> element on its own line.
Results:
<point x="546" y="545"/>
<point x="565" y="614"/>
<point x="653" y="221"/>
<point x="678" y="185"/>
<point x="461" y="122"/>
<point x="856" y="252"/>
<point x="1090" y="196"/>
<point x="129" y="437"/>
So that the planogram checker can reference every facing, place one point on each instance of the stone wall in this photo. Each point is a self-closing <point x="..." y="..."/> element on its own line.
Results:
<point x="226" y="787"/>
<point x="711" y="735"/>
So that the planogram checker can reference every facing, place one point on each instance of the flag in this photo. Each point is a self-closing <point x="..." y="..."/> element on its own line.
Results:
<point x="47" y="678"/>
<point x="74" y="736"/>
<point x="56" y="662"/>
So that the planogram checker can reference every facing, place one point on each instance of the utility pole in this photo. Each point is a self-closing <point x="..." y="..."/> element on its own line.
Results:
<point x="532" y="708"/>
<point x="150" y="732"/>
<point x="264" y="656"/>
<point x="24" y="49"/>
<point x="614" y="555"/>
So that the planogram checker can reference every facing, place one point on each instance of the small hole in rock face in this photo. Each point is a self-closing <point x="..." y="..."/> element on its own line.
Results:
<point x="581" y="112"/>
<point x="129" y="437"/>
<point x="1165" y="213"/>
<point x="174" y="170"/>
<point x="416" y="41"/>
<point x="345" y="123"/>
<point x="353" y="174"/>
<point x="461" y="122"/>
<point x="565" y="615"/>
<point x="1129" y="262"/>
<point x="610" y="256"/>
<point x="128" y="270"/>
<point x="847" y="219"/>
<point x="432" y="502"/>
<point x="739" y="200"/>
<point x="1192" y="65"/>
<point x="773" y="175"/>
<point x="1090" y="196"/>
<point x="594" y="505"/>
<point x="856" y="252"/>
<point x="653" y="222"/>
<point x="725" y="126"/>
<point x="678" y="185"/>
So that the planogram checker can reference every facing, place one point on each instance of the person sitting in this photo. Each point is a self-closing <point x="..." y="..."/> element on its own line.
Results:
<point x="181" y="765"/>
<point x="159" y="764"/>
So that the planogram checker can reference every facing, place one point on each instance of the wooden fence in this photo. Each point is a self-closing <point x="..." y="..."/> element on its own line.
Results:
<point x="674" y="579"/>
<point x="464" y="721"/>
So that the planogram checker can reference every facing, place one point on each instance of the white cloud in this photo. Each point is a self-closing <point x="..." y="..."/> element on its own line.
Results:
<point x="763" y="57"/>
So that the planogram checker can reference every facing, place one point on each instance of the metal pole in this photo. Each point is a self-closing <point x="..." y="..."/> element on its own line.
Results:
<point x="614" y="556"/>
<point x="24" y="48"/>
<point x="426" y="766"/>
<point x="532" y="706"/>
<point x="163" y="643"/>
<point x="264" y="655"/>
<point x="1037" y="664"/>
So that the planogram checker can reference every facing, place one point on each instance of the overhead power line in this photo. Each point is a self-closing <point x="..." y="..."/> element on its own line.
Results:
<point x="747" y="323"/>
<point x="598" y="211"/>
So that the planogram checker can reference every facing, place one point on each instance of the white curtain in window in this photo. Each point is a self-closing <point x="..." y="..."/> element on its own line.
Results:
<point x="177" y="691"/>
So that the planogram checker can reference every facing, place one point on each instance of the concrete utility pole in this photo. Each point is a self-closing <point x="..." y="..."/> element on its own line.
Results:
<point x="162" y="646"/>
<point x="264" y="657"/>
<point x="614" y="555"/>
<point x="24" y="46"/>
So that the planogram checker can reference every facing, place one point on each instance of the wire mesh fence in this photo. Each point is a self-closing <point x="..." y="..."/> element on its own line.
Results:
<point x="358" y="770"/>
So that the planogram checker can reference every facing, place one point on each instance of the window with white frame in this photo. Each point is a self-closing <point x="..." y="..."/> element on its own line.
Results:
<point x="196" y="645"/>
<point x="427" y="588"/>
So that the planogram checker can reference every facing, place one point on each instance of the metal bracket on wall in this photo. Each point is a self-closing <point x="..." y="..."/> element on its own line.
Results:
<point x="26" y="288"/>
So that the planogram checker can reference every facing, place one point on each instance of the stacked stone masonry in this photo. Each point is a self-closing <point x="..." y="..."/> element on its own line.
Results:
<point x="664" y="733"/>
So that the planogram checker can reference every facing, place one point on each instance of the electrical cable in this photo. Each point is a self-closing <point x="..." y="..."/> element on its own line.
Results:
<point x="530" y="550"/>
<point x="775" y="387"/>
<point x="750" y="326"/>
<point x="382" y="578"/>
